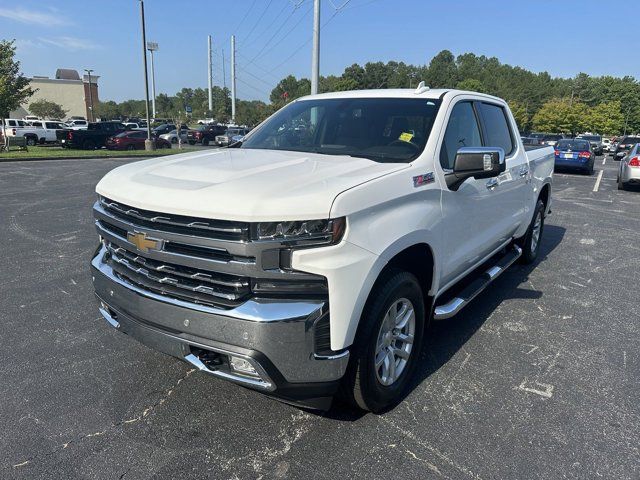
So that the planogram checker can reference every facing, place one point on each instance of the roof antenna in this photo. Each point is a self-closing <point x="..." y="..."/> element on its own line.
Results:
<point x="421" y="88"/>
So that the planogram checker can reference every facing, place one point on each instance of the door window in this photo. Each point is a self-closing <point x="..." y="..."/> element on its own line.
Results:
<point x="497" y="130"/>
<point x="462" y="131"/>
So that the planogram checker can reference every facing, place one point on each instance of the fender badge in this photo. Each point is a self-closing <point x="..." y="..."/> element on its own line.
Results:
<point x="424" y="179"/>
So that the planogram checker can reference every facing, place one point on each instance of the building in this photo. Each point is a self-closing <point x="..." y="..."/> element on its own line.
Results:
<point x="66" y="89"/>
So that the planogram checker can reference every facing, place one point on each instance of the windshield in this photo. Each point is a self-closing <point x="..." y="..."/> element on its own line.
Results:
<point x="627" y="140"/>
<point x="575" y="144"/>
<point x="381" y="129"/>
<point x="592" y="138"/>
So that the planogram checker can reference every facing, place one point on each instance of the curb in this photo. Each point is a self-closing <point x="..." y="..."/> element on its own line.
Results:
<point x="106" y="157"/>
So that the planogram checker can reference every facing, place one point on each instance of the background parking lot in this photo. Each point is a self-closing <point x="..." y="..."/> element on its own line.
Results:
<point x="538" y="378"/>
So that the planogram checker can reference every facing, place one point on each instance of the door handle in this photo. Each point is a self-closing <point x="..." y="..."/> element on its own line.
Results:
<point x="524" y="171"/>
<point x="492" y="183"/>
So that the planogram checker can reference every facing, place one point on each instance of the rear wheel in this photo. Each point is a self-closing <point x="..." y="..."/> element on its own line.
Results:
<point x="31" y="141"/>
<point x="621" y="185"/>
<point x="131" y="147"/>
<point x="205" y="142"/>
<point x="530" y="243"/>
<point x="388" y="343"/>
<point x="174" y="140"/>
<point x="88" y="145"/>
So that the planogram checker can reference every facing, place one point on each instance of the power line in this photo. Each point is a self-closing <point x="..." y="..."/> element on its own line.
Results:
<point x="259" y="18"/>
<point x="275" y="19"/>
<point x="262" y="50"/>
<point x="245" y="16"/>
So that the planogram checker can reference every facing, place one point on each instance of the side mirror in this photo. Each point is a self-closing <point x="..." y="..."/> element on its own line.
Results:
<point x="476" y="162"/>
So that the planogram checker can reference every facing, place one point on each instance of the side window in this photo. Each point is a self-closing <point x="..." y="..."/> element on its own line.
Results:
<point x="462" y="131"/>
<point x="496" y="127"/>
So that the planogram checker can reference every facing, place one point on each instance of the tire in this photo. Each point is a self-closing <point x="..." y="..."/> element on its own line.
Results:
<point x="174" y="140"/>
<point x="131" y="147"/>
<point x="31" y="141"/>
<point x="530" y="243"/>
<point x="621" y="185"/>
<point x="191" y="142"/>
<point x="366" y="386"/>
<point x="88" y="145"/>
<point x="205" y="142"/>
<point x="590" y="170"/>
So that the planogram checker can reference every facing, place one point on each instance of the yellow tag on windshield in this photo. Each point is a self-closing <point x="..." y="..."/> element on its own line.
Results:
<point x="406" y="137"/>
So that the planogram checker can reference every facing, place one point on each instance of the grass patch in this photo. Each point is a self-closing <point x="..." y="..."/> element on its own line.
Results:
<point x="59" y="152"/>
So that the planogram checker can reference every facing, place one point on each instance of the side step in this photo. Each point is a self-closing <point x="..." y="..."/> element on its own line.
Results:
<point x="463" y="298"/>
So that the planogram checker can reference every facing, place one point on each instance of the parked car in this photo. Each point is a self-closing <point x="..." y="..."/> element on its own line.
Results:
<point x="231" y="136"/>
<point x="298" y="268"/>
<point x="530" y="141"/>
<point x="77" y="124"/>
<point x="47" y="131"/>
<point x="624" y="145"/>
<point x="629" y="171"/>
<point x="95" y="136"/>
<point x="134" y="140"/>
<point x="205" y="134"/>
<point x="575" y="153"/>
<point x="172" y="136"/>
<point x="551" y="140"/>
<point x="135" y="126"/>
<point x="166" y="128"/>
<point x="595" y="141"/>
<point x="20" y="128"/>
<point x="606" y="143"/>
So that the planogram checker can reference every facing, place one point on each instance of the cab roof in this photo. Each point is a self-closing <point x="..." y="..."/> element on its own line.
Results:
<point x="396" y="93"/>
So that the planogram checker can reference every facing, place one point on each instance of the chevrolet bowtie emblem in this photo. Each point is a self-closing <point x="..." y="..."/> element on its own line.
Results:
<point x="142" y="242"/>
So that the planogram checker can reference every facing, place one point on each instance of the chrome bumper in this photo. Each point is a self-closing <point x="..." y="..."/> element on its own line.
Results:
<point x="275" y="337"/>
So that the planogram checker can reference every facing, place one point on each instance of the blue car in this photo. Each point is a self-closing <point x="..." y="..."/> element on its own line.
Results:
<point x="575" y="154"/>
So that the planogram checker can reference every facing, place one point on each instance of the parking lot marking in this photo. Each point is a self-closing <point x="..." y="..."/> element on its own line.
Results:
<point x="604" y="160"/>
<point x="598" y="180"/>
<point x="546" y="392"/>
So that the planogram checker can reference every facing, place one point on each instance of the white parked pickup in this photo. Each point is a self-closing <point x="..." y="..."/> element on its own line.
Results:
<point x="316" y="253"/>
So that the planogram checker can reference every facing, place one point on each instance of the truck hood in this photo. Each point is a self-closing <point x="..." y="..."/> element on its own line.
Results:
<point x="241" y="184"/>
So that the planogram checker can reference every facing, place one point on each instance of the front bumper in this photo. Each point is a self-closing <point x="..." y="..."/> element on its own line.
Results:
<point x="274" y="336"/>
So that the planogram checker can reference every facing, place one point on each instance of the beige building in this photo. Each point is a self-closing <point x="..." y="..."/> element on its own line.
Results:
<point x="66" y="89"/>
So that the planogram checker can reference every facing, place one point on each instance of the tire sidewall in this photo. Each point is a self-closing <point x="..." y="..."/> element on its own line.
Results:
<point x="527" y="254"/>
<point x="375" y="396"/>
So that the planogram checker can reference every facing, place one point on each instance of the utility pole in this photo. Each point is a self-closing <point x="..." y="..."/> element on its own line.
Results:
<point x="233" y="78"/>
<point x="224" y="71"/>
<point x="315" y="57"/>
<point x="210" y="77"/>
<point x="91" y="116"/>
<point x="148" y="143"/>
<point x="152" y="47"/>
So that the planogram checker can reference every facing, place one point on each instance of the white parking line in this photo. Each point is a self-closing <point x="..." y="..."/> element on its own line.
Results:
<point x="598" y="180"/>
<point x="604" y="160"/>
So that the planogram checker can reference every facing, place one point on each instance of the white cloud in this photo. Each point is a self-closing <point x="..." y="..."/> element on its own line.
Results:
<point x="34" y="18"/>
<point x="69" y="43"/>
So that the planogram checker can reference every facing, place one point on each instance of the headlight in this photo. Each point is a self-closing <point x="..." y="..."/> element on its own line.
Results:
<point x="303" y="232"/>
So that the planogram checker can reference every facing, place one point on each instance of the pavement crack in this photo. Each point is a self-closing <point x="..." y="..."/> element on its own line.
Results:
<point x="114" y="426"/>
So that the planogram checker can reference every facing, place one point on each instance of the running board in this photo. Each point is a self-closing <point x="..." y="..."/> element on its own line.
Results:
<point x="470" y="292"/>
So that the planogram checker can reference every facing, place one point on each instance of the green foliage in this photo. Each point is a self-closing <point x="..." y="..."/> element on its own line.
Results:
<point x="561" y="116"/>
<point x="14" y="87"/>
<point x="606" y="118"/>
<point x="472" y="85"/>
<point x="46" y="109"/>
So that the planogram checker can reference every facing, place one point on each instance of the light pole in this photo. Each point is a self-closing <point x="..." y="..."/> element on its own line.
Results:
<point x="91" y="117"/>
<point x="148" y="143"/>
<point x="315" y="57"/>
<point x="152" y="47"/>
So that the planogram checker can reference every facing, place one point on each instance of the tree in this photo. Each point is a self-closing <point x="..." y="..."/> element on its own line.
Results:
<point x="472" y="85"/>
<point x="46" y="109"/>
<point x="606" y="118"/>
<point x="521" y="115"/>
<point x="442" y="71"/>
<point x="561" y="116"/>
<point x="14" y="87"/>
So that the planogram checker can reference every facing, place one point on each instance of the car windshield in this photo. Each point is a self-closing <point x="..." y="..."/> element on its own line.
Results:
<point x="628" y="140"/>
<point x="380" y="129"/>
<point x="574" y="144"/>
<point x="592" y="138"/>
<point x="553" y="137"/>
<point x="235" y="131"/>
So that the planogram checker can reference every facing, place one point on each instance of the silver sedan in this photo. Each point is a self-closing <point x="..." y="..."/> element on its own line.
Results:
<point x="629" y="172"/>
<point x="172" y="136"/>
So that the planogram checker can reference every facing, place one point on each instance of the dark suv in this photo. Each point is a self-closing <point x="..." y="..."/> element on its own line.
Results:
<point x="624" y="145"/>
<point x="205" y="134"/>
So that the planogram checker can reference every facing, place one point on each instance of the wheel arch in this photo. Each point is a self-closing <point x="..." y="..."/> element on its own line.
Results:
<point x="545" y="196"/>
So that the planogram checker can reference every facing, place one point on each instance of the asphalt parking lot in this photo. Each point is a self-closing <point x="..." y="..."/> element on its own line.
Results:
<point x="538" y="378"/>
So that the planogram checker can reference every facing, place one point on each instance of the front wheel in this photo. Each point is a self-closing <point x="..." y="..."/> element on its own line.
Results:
<point x="205" y="142"/>
<point x="530" y="243"/>
<point x="388" y="343"/>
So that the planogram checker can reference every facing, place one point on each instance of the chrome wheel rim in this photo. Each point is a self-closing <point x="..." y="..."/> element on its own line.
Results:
<point x="395" y="341"/>
<point x="535" y="235"/>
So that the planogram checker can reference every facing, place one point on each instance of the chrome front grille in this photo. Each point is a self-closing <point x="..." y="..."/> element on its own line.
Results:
<point x="175" y="280"/>
<point x="189" y="260"/>
<point x="220" y="229"/>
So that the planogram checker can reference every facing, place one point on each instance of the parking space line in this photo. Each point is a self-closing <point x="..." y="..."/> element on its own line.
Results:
<point x="604" y="160"/>
<point x="598" y="180"/>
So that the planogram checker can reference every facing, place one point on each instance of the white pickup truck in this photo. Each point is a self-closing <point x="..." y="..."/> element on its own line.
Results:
<point x="314" y="255"/>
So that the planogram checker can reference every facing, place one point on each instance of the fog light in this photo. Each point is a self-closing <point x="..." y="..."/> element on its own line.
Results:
<point x="242" y="366"/>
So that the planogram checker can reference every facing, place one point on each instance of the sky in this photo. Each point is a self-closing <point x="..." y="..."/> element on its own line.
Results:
<point x="273" y="38"/>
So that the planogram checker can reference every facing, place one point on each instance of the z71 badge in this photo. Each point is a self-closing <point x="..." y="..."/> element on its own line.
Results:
<point x="424" y="179"/>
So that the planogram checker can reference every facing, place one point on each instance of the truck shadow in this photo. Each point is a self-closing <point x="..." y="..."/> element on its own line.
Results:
<point x="445" y="338"/>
